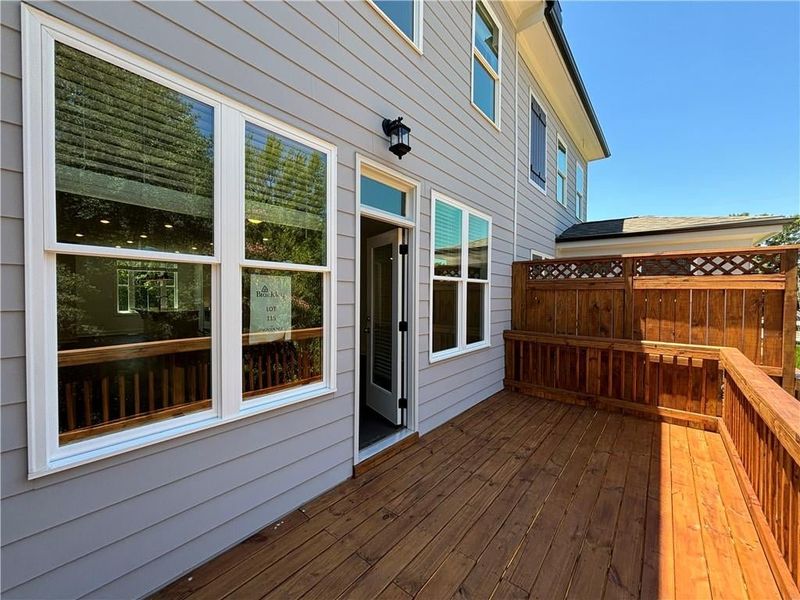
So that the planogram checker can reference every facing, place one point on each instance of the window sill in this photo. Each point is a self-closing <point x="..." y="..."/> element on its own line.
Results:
<point x="448" y="354"/>
<point x="537" y="187"/>
<point x="485" y="116"/>
<point x="165" y="431"/>
<point x="417" y="47"/>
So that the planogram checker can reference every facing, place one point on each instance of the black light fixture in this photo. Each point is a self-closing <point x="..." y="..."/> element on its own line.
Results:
<point x="398" y="135"/>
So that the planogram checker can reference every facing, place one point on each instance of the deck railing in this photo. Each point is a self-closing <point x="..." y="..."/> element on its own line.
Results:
<point x="715" y="388"/>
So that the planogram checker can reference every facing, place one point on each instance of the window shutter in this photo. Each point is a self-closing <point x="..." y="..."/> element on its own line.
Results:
<point x="538" y="143"/>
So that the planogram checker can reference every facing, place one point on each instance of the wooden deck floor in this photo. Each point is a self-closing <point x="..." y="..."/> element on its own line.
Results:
<point x="516" y="498"/>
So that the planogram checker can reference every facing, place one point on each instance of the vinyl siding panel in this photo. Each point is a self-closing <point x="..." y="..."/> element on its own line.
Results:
<point x="124" y="526"/>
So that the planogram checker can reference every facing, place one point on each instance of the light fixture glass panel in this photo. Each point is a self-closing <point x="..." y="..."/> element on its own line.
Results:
<point x="132" y="157"/>
<point x="134" y="343"/>
<point x="286" y="193"/>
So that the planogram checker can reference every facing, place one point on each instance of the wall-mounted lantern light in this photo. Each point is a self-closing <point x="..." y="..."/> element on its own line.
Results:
<point x="398" y="135"/>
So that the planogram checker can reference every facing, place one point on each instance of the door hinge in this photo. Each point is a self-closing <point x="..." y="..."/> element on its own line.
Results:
<point x="402" y="326"/>
<point x="403" y="249"/>
<point x="402" y="402"/>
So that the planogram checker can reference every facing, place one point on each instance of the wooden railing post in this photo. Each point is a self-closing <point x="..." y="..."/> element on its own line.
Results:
<point x="789" y="318"/>
<point x="627" y="275"/>
<point x="518" y="281"/>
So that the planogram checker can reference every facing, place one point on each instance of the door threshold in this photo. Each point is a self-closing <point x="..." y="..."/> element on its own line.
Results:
<point x="376" y="453"/>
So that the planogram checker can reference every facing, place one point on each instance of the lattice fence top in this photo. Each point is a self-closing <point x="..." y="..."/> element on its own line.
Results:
<point x="575" y="269"/>
<point x="762" y="263"/>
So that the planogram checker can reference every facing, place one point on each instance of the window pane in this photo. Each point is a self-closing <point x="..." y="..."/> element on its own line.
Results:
<point x="475" y="312"/>
<point x="383" y="197"/>
<point x="119" y="370"/>
<point x="562" y="159"/>
<point x="447" y="240"/>
<point x="444" y="328"/>
<point x="560" y="188"/>
<point x="286" y="189"/>
<point x="486" y="35"/>
<point x="478" y="248"/>
<point x="134" y="160"/>
<point x="483" y="89"/>
<point x="282" y="330"/>
<point x="401" y="13"/>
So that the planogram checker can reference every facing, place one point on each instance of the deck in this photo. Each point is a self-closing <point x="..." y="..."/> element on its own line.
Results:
<point x="516" y="498"/>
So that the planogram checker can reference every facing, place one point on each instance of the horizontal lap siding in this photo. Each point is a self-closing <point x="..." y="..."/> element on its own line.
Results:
<point x="124" y="526"/>
<point x="542" y="218"/>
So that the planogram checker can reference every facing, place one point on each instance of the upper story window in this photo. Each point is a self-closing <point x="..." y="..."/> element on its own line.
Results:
<point x="460" y="275"/>
<point x="134" y="254"/>
<point x="405" y="16"/>
<point x="561" y="176"/>
<point x="580" y="191"/>
<point x="538" y="146"/>
<point x="486" y="61"/>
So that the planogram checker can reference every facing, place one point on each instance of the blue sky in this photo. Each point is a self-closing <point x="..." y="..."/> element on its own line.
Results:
<point x="699" y="101"/>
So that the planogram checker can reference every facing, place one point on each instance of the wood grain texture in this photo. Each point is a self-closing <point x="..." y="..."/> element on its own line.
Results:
<point x="517" y="498"/>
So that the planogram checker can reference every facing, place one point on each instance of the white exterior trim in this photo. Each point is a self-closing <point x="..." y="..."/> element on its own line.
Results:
<point x="39" y="33"/>
<point x="416" y="42"/>
<point x="412" y="187"/>
<point x="497" y="75"/>
<point x="461" y="347"/>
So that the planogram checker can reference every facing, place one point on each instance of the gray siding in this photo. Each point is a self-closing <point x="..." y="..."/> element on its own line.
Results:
<point x="540" y="218"/>
<point x="124" y="526"/>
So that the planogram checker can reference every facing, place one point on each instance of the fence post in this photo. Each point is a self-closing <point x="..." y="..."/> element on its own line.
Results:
<point x="518" y="281"/>
<point x="789" y="266"/>
<point x="627" y="274"/>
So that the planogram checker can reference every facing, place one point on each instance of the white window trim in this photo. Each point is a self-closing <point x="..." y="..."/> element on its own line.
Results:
<point x="580" y="194"/>
<point x="462" y="347"/>
<point x="416" y="42"/>
<point x="535" y="184"/>
<point x="497" y="75"/>
<point x="45" y="456"/>
<point x="561" y="143"/>
<point x="544" y="255"/>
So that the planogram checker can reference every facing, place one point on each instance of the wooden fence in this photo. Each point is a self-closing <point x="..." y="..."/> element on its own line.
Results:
<point x="744" y="299"/>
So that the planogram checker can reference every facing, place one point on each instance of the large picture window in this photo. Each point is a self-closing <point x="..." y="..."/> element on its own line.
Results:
<point x="486" y="61"/>
<point x="460" y="258"/>
<point x="147" y="223"/>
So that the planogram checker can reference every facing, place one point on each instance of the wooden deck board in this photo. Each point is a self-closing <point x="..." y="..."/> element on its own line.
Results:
<point x="516" y="498"/>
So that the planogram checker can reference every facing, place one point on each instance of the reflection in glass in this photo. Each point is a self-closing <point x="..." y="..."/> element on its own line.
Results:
<point x="285" y="199"/>
<point x="478" y="248"/>
<point x="401" y="13"/>
<point x="445" y="315"/>
<point x="383" y="197"/>
<point x="382" y="311"/>
<point x="134" y="160"/>
<point x="282" y="330"/>
<point x="475" y="312"/>
<point x="483" y="89"/>
<point x="134" y="343"/>
<point x="486" y="35"/>
<point x="447" y="240"/>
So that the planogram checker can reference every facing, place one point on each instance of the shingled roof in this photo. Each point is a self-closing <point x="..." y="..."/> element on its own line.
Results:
<point x="633" y="226"/>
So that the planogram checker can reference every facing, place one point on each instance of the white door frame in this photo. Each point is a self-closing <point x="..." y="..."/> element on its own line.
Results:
<point x="412" y="187"/>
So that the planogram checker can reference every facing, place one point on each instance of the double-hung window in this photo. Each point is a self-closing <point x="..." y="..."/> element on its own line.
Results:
<point x="486" y="61"/>
<point x="538" y="146"/>
<point x="580" y="191"/>
<point x="460" y="279"/>
<point x="561" y="173"/>
<point x="178" y="253"/>
<point x="405" y="16"/>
